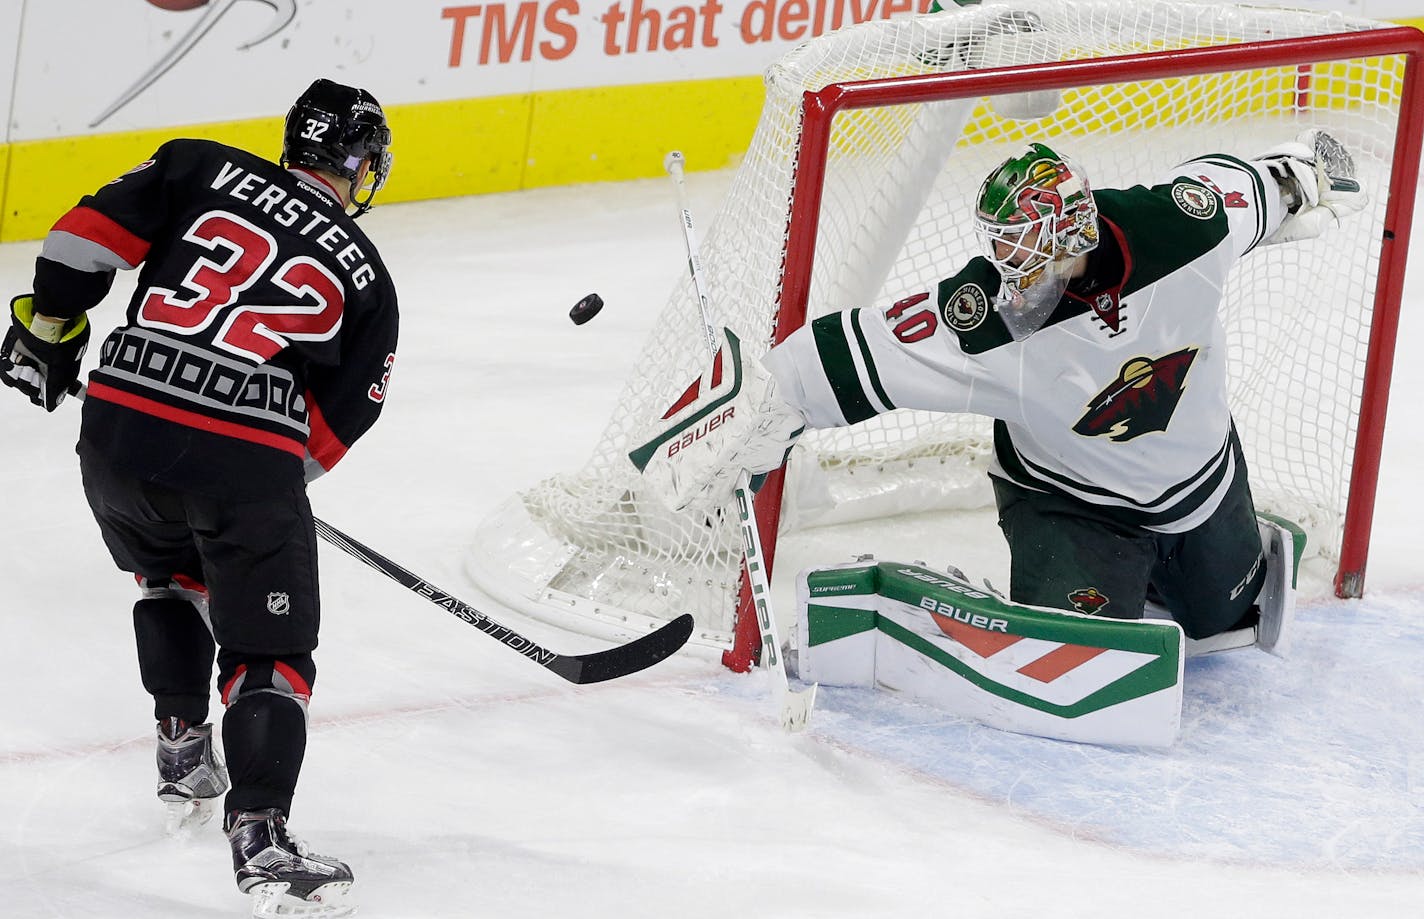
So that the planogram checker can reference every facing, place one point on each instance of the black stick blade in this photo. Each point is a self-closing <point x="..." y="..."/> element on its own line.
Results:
<point x="622" y="660"/>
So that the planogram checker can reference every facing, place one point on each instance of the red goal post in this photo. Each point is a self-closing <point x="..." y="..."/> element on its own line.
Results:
<point x="857" y="189"/>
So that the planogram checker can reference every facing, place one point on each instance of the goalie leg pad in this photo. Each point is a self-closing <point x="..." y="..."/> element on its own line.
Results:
<point x="936" y="638"/>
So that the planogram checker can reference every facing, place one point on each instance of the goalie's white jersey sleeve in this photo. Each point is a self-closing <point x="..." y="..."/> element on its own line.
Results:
<point x="1119" y="399"/>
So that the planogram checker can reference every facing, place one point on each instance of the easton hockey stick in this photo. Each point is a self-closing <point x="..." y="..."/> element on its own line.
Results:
<point x="593" y="667"/>
<point x="795" y="704"/>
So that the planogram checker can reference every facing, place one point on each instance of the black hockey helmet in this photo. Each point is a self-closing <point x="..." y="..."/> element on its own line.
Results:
<point x="334" y="128"/>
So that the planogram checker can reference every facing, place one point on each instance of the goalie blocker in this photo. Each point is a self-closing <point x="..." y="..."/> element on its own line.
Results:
<point x="937" y="639"/>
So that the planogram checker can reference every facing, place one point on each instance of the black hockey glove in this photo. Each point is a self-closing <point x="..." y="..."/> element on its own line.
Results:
<point x="41" y="359"/>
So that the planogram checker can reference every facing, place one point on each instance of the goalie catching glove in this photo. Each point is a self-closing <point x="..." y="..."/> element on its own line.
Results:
<point x="1316" y="175"/>
<point x="729" y="420"/>
<point x="40" y="356"/>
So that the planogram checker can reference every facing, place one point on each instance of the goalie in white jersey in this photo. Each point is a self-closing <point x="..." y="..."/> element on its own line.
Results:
<point x="1089" y="331"/>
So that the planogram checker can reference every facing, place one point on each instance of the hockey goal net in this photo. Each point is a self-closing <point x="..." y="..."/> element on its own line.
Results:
<point x="857" y="190"/>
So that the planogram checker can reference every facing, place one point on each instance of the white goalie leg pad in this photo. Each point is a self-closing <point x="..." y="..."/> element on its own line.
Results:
<point x="730" y="419"/>
<point x="935" y="638"/>
<point x="1320" y="171"/>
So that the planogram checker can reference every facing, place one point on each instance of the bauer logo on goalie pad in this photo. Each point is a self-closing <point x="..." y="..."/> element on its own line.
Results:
<point x="942" y="611"/>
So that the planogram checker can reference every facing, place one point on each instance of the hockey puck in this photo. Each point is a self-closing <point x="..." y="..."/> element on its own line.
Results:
<point x="586" y="309"/>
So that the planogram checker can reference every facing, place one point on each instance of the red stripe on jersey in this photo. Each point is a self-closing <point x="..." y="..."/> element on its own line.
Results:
<point x="195" y="420"/>
<point x="323" y="444"/>
<point x="87" y="223"/>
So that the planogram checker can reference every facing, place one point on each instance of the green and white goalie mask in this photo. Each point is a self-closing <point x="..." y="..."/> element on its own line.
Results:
<point x="1035" y="214"/>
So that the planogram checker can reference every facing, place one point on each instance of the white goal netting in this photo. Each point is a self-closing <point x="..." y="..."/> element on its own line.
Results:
<point x="895" y="218"/>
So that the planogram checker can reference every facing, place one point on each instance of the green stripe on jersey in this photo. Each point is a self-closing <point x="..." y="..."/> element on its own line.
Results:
<point x="869" y="361"/>
<point x="839" y="368"/>
<point x="1185" y="497"/>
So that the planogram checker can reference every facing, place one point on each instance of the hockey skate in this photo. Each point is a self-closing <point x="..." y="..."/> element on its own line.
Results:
<point x="1279" y="541"/>
<point x="191" y="776"/>
<point x="1269" y="626"/>
<point x="281" y="874"/>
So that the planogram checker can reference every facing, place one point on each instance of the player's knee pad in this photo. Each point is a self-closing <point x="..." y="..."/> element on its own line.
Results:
<point x="246" y="675"/>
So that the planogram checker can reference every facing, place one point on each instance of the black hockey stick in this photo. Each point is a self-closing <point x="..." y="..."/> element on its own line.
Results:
<point x="594" y="667"/>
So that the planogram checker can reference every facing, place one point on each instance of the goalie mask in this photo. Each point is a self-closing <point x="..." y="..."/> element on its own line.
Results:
<point x="1035" y="214"/>
<point x="335" y="128"/>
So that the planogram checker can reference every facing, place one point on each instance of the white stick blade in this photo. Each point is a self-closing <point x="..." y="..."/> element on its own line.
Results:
<point x="796" y="708"/>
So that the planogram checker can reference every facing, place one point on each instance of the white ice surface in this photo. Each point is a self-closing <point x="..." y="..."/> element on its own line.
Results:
<point x="461" y="780"/>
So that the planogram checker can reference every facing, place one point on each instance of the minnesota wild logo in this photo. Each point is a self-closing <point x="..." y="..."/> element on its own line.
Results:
<point x="1087" y="600"/>
<point x="1141" y="400"/>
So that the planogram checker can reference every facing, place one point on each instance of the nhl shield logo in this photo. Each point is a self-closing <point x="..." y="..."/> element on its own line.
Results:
<point x="966" y="308"/>
<point x="279" y="604"/>
<point x="1194" y="200"/>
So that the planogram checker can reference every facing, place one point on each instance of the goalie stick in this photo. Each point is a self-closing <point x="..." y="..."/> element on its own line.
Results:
<point x="795" y="705"/>
<point x="593" y="667"/>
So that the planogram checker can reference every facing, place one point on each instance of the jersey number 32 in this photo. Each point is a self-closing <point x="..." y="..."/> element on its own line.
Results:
<point x="206" y="305"/>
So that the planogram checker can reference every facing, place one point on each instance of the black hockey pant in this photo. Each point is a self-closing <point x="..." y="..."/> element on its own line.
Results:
<point x="254" y="563"/>
<point x="1067" y="554"/>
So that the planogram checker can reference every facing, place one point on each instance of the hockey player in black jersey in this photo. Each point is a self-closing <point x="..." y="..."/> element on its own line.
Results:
<point x="256" y="350"/>
<point x="1089" y="330"/>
